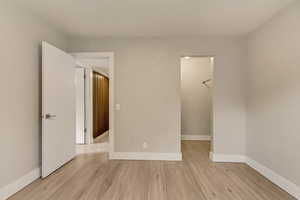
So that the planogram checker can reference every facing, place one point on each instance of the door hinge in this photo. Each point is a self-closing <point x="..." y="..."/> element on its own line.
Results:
<point x="84" y="76"/>
<point x="85" y="130"/>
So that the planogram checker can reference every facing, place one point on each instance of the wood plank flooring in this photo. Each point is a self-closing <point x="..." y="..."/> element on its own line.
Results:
<point x="94" y="177"/>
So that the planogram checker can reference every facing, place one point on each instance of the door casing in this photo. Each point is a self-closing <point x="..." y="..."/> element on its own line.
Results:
<point x="89" y="120"/>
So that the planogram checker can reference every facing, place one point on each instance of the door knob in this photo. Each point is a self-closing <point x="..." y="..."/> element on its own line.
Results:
<point x="49" y="116"/>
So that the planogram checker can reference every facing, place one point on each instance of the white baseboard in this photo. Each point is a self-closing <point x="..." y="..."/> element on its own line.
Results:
<point x="227" y="158"/>
<point x="92" y="148"/>
<point x="146" y="156"/>
<point x="282" y="182"/>
<point x="196" y="137"/>
<point x="19" y="184"/>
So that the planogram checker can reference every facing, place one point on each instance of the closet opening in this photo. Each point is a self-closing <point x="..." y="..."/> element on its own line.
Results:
<point x="197" y="103"/>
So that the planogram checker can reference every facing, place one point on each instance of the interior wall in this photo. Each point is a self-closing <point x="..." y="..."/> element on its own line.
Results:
<point x="147" y="86"/>
<point x="21" y="36"/>
<point x="196" y="100"/>
<point x="273" y="94"/>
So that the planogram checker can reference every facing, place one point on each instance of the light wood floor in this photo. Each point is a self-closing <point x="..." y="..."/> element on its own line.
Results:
<point x="93" y="177"/>
<point x="102" y="138"/>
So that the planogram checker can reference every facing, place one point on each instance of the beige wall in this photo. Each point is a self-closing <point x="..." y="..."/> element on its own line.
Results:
<point x="21" y="34"/>
<point x="147" y="75"/>
<point x="196" y="101"/>
<point x="273" y="128"/>
<point x="147" y="78"/>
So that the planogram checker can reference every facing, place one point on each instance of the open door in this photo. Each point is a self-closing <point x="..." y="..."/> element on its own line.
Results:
<point x="58" y="108"/>
<point x="80" y="105"/>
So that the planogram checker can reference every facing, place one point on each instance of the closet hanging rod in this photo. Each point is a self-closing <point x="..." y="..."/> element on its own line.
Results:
<point x="204" y="82"/>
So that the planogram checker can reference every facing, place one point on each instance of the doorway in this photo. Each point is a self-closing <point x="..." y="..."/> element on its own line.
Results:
<point x="196" y="99"/>
<point x="98" y="102"/>
<point x="100" y="107"/>
<point x="60" y="71"/>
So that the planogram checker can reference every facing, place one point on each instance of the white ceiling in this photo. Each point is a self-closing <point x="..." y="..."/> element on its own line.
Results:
<point x="150" y="18"/>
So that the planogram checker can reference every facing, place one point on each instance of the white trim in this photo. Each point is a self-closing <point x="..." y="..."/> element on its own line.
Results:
<point x="80" y="105"/>
<point x="227" y="158"/>
<point x="100" y="71"/>
<point x="277" y="179"/>
<point x="110" y="56"/>
<point x="211" y="156"/>
<point x="89" y="105"/>
<point x="282" y="182"/>
<point x="146" y="156"/>
<point x="196" y="137"/>
<point x="92" y="148"/>
<point x="111" y="103"/>
<point x="14" y="187"/>
<point x="89" y="64"/>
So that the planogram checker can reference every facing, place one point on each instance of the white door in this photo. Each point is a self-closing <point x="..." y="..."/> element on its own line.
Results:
<point x="58" y="108"/>
<point x="80" y="106"/>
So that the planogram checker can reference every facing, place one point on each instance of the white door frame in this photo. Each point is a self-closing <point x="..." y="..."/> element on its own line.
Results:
<point x="212" y="125"/>
<point x="80" y="105"/>
<point x="110" y="57"/>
